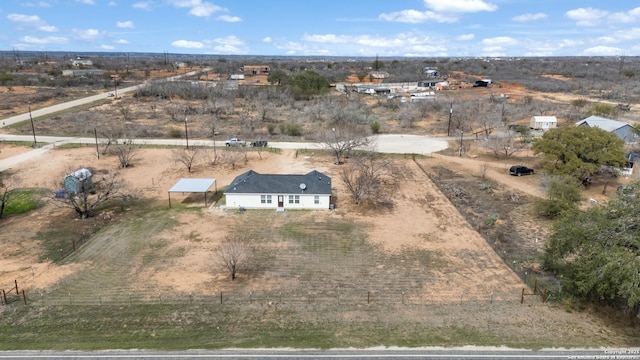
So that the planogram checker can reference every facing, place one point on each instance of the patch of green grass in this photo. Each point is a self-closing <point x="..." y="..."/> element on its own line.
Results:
<point x="70" y="145"/>
<point x="22" y="201"/>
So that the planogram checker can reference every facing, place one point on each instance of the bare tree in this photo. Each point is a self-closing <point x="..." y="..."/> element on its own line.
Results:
<point x="234" y="254"/>
<point x="232" y="157"/>
<point x="5" y="194"/>
<point x="504" y="145"/>
<point x="111" y="133"/>
<point x="187" y="157"/>
<point x="87" y="200"/>
<point x="365" y="177"/>
<point x="126" y="152"/>
<point x="342" y="140"/>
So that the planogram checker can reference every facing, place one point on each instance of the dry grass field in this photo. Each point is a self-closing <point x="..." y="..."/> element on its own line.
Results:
<point x="414" y="268"/>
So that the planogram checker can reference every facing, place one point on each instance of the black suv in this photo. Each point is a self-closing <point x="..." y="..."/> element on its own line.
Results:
<point x="259" y="143"/>
<point x="519" y="170"/>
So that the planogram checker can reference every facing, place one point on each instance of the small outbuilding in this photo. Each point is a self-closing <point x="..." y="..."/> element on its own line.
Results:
<point x="543" y="122"/>
<point x="78" y="182"/>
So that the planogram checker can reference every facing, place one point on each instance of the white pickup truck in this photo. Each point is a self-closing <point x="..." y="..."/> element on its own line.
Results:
<point x="235" y="142"/>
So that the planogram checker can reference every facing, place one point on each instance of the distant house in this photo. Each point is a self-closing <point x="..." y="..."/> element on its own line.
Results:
<point x="77" y="62"/>
<point x="442" y="85"/>
<point x="422" y="96"/>
<point x="427" y="83"/>
<point x="378" y="75"/>
<point x="252" y="190"/>
<point x="236" y="77"/>
<point x="624" y="131"/>
<point x="256" y="69"/>
<point x="431" y="71"/>
<point x="543" y="122"/>
<point x="83" y="72"/>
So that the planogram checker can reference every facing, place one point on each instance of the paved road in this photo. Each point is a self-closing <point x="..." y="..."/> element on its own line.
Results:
<point x="83" y="101"/>
<point x="397" y="354"/>
<point x="388" y="143"/>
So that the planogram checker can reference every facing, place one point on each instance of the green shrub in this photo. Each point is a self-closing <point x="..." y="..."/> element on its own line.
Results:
<point x="271" y="129"/>
<point x="375" y="127"/>
<point x="175" y="133"/>
<point x="293" y="130"/>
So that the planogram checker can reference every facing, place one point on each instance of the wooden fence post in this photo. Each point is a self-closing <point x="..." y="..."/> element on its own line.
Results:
<point x="24" y="297"/>
<point x="522" y="297"/>
<point x="17" y="292"/>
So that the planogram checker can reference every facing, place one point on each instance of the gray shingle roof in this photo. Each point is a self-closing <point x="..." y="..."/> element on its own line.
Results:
<point x="252" y="182"/>
<point x="602" y="123"/>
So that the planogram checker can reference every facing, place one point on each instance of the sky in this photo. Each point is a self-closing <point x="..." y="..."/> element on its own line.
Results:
<point x="351" y="28"/>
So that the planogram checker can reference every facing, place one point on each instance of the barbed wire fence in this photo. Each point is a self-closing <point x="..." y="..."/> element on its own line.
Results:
<point x="292" y="298"/>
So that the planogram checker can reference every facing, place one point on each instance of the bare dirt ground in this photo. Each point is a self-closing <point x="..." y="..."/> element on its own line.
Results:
<point x="424" y="217"/>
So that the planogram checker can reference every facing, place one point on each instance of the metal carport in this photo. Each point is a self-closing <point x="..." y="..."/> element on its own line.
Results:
<point x="193" y="186"/>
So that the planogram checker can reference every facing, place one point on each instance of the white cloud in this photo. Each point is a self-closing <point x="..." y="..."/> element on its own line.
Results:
<point x="197" y="7"/>
<point x="32" y="20"/>
<point x="267" y="39"/>
<point x="229" y="49"/>
<point x="88" y="34"/>
<point x="122" y="41"/>
<point x="625" y="17"/>
<point x="48" y="28"/>
<point x="43" y="4"/>
<point x="529" y="17"/>
<point x="45" y="40"/>
<point x="415" y="17"/>
<point x="499" y="41"/>
<point x="186" y="44"/>
<point x="229" y="40"/>
<point x="465" y="37"/>
<point x="586" y="16"/>
<point x="607" y="39"/>
<point x="125" y="24"/>
<point x="229" y="18"/>
<point x="603" y="51"/>
<point x="88" y="2"/>
<point x="459" y="6"/>
<point x="143" y="5"/>
<point x="112" y="3"/>
<point x="107" y="47"/>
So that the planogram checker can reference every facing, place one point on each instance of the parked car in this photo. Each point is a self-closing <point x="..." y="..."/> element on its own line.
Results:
<point x="480" y="83"/>
<point x="259" y="143"/>
<point x="109" y="94"/>
<point x="519" y="170"/>
<point x="235" y="142"/>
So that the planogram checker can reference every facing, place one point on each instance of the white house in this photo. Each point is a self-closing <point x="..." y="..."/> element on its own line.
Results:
<point x="543" y="122"/>
<point x="252" y="190"/>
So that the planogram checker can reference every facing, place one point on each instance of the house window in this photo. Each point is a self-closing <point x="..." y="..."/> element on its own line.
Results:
<point x="294" y="199"/>
<point x="316" y="199"/>
<point x="265" y="199"/>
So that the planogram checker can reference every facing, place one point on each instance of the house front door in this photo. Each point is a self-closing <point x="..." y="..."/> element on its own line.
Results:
<point x="280" y="200"/>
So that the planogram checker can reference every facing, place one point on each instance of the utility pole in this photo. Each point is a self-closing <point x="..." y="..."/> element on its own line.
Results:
<point x="450" y="113"/>
<point x="461" y="135"/>
<point x="95" y="132"/>
<point x="186" y="131"/>
<point x="33" y="128"/>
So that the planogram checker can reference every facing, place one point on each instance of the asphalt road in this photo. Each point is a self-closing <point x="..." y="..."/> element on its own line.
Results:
<point x="83" y="101"/>
<point x="387" y="143"/>
<point x="397" y="354"/>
